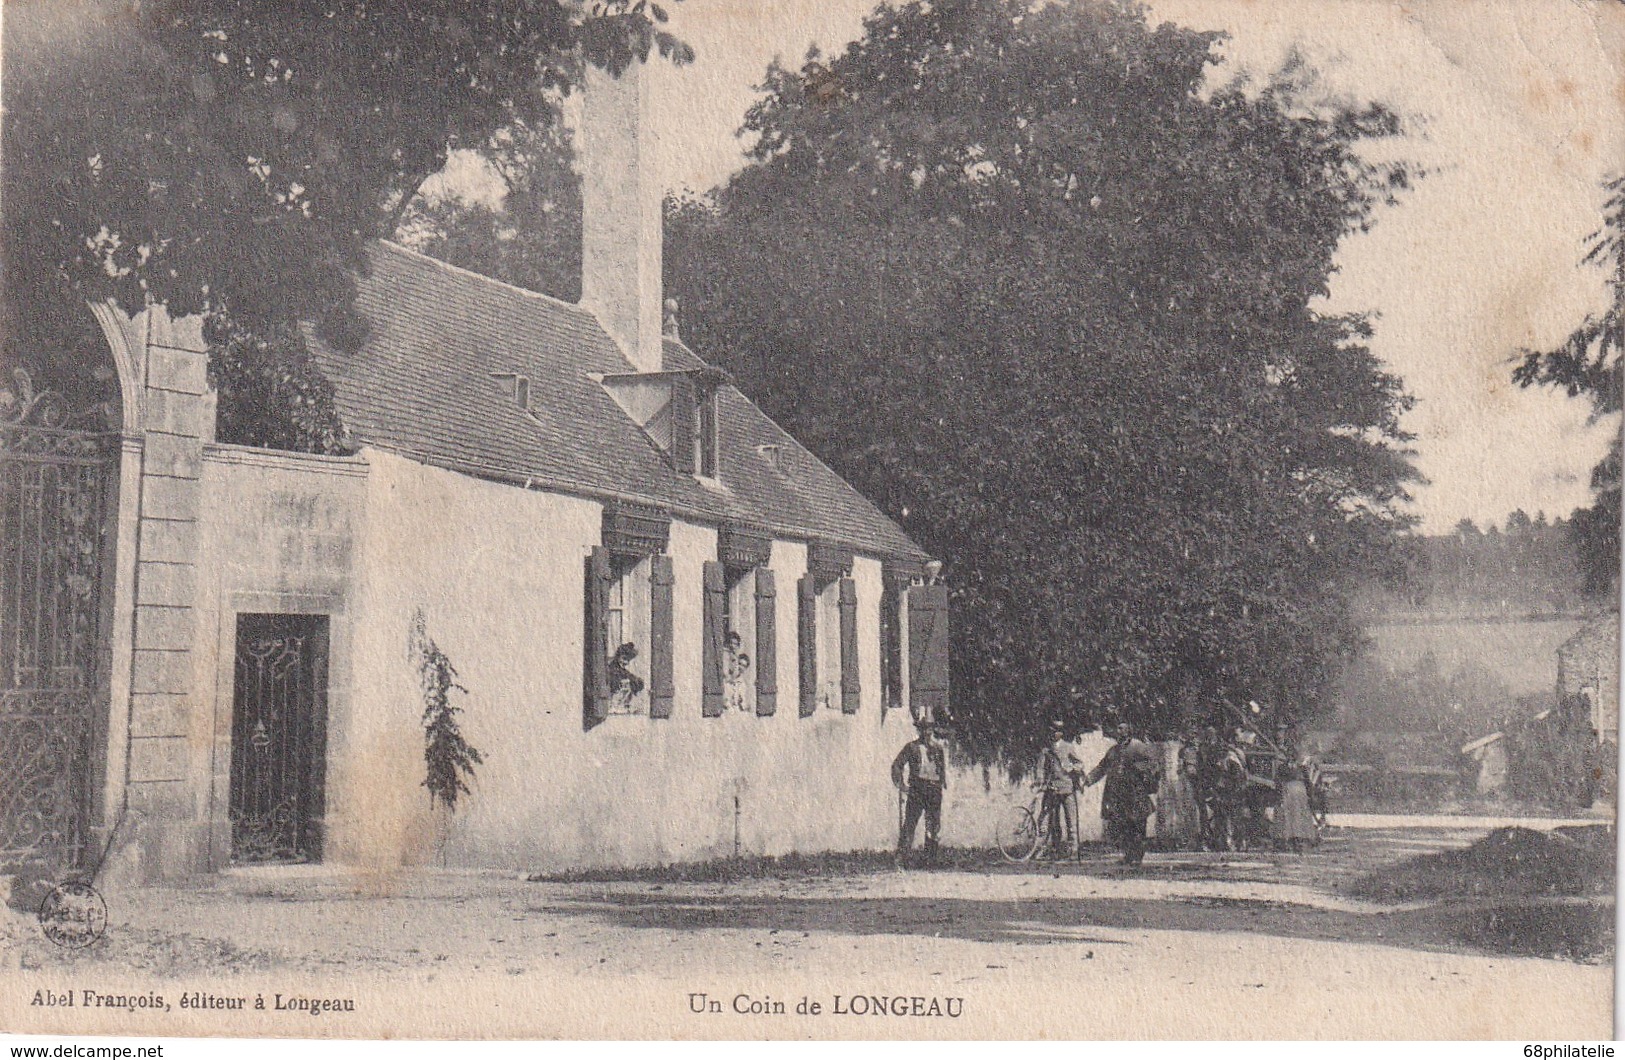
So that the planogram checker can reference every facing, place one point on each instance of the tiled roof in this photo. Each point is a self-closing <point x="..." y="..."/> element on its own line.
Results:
<point x="433" y="382"/>
<point x="1600" y="635"/>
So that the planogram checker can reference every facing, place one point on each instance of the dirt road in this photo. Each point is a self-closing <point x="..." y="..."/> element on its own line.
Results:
<point x="1193" y="946"/>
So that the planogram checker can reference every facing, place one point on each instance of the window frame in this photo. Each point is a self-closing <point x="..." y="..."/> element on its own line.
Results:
<point x="632" y="576"/>
<point x="739" y="616"/>
<point x="828" y="632"/>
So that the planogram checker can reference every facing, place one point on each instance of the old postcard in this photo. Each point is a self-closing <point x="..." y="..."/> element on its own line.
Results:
<point x="790" y="519"/>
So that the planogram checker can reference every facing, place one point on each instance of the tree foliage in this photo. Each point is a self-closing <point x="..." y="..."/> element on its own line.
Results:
<point x="1588" y="364"/>
<point x="532" y="239"/>
<point x="235" y="156"/>
<point x="271" y="393"/>
<point x="1035" y="287"/>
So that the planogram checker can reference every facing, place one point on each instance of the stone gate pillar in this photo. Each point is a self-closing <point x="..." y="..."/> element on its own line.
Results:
<point x="154" y="807"/>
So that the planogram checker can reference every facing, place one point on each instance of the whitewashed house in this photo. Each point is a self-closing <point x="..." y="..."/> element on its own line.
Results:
<point x="535" y="485"/>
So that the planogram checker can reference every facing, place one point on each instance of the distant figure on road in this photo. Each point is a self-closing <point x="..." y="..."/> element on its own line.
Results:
<point x="1131" y="770"/>
<point x="1058" y="769"/>
<point x="920" y="772"/>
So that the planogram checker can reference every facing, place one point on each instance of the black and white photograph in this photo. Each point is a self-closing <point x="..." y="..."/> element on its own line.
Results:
<point x="810" y="519"/>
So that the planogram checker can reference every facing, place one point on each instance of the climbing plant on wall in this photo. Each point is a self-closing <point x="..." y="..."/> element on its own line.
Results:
<point x="450" y="759"/>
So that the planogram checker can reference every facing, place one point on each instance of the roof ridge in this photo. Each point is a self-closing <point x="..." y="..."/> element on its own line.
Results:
<point x="492" y="281"/>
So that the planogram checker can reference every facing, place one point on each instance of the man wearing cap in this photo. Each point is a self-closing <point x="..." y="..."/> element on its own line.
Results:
<point x="1058" y="767"/>
<point x="921" y="771"/>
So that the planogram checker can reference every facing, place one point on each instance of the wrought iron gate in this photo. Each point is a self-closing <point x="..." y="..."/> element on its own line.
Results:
<point x="56" y="482"/>
<point x="278" y="738"/>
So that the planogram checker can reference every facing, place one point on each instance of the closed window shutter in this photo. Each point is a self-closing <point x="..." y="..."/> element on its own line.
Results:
<point x="807" y="628"/>
<point x="595" y="607"/>
<point x="849" y="646"/>
<point x="928" y="651"/>
<point x="711" y="648"/>
<point x="767" y="677"/>
<point x="661" y="687"/>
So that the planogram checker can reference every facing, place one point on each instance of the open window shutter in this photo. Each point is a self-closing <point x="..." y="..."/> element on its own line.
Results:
<point x="928" y="650"/>
<point x="711" y="648"/>
<point x="807" y="628"/>
<point x="596" y="609"/>
<point x="849" y="646"/>
<point x="682" y="424"/>
<point x="661" y="687"/>
<point x="767" y="677"/>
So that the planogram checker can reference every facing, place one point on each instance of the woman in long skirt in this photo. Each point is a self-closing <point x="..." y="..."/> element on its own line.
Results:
<point x="1294" y="818"/>
<point x="1179" y="815"/>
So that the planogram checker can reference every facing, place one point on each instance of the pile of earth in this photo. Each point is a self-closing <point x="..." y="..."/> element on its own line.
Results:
<point x="1516" y="891"/>
<point x="1508" y="863"/>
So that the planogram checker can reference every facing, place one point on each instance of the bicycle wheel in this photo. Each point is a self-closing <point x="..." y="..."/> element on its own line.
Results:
<point x="1018" y="834"/>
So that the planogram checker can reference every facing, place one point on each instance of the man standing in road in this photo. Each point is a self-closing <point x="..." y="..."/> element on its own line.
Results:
<point x="1131" y="770"/>
<point x="1058" y="767"/>
<point x="920" y="771"/>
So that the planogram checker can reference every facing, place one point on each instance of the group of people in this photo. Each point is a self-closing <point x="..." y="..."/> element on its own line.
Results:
<point x="1250" y="791"/>
<point x="1130" y="770"/>
<point x="1243" y="791"/>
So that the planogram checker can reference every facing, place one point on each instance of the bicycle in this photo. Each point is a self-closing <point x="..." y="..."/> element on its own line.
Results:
<point x="1026" y="830"/>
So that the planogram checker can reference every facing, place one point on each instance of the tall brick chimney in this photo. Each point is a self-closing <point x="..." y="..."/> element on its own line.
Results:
<point x="621" y="213"/>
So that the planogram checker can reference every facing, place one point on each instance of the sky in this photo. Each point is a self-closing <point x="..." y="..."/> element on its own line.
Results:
<point x="1516" y="108"/>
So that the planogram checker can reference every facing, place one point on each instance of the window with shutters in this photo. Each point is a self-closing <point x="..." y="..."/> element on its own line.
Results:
<point x="833" y="640"/>
<point x="628" y="626"/>
<point x="737" y="615"/>
<point x="677" y="410"/>
<point x="694" y="424"/>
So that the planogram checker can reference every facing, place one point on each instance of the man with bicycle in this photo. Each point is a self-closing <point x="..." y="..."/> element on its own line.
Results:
<point x="1058" y="769"/>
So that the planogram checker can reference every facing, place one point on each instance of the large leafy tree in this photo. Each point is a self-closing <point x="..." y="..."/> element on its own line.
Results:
<point x="235" y="156"/>
<point x="1588" y="363"/>
<point x="1029" y="281"/>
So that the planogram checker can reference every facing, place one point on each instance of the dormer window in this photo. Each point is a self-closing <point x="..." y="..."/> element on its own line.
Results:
<point x="694" y="422"/>
<point x="678" y="411"/>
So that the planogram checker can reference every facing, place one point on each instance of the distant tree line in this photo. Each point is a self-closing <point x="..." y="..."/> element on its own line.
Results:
<point x="1531" y="565"/>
